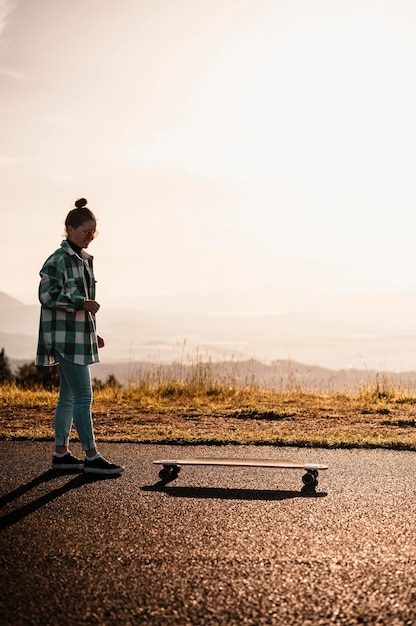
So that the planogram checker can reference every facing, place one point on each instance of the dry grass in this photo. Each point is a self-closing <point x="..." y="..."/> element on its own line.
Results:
<point x="207" y="411"/>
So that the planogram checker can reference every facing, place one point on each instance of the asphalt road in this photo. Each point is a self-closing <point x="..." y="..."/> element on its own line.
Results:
<point x="218" y="546"/>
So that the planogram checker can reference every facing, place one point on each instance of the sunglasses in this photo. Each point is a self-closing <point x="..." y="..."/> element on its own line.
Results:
<point x="92" y="233"/>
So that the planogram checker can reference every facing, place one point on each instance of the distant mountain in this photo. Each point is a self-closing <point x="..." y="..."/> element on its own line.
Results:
<point x="19" y="346"/>
<point x="18" y="327"/>
<point x="378" y="335"/>
<point x="8" y="303"/>
<point x="279" y="375"/>
<point x="16" y="317"/>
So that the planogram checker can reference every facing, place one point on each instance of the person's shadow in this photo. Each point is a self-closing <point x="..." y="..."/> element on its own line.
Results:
<point x="79" y="479"/>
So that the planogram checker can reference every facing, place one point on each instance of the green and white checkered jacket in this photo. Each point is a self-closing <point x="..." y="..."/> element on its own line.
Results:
<point x="64" y="326"/>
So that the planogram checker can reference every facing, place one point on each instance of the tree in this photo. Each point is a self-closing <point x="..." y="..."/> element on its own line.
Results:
<point x="111" y="382"/>
<point x="29" y="375"/>
<point x="6" y="375"/>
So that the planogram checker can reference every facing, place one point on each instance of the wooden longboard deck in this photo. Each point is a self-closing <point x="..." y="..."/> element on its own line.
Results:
<point x="240" y="462"/>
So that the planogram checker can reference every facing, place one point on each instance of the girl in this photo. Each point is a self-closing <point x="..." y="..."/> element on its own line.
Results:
<point x="67" y="335"/>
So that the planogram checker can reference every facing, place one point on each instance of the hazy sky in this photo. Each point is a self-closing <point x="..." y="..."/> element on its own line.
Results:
<point x="221" y="143"/>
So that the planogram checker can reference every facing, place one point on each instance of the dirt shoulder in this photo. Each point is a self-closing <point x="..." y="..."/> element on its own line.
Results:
<point x="305" y="420"/>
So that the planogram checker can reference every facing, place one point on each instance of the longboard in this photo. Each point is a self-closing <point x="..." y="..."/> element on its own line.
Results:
<point x="172" y="467"/>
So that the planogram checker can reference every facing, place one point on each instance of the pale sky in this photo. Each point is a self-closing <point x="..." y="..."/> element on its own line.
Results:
<point x="222" y="144"/>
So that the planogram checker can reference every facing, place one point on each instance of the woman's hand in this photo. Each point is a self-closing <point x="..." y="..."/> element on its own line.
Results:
<point x="92" y="306"/>
<point x="100" y="342"/>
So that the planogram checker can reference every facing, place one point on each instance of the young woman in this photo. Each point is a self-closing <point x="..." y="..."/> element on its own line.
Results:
<point x="67" y="336"/>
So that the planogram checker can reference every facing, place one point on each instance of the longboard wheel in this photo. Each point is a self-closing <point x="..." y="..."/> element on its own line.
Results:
<point x="169" y="473"/>
<point x="164" y="474"/>
<point x="309" y="479"/>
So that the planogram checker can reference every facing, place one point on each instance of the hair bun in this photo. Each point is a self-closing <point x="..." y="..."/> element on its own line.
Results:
<point x="79" y="204"/>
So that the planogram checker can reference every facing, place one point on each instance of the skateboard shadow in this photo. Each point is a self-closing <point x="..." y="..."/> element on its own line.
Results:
<point x="79" y="479"/>
<point x="222" y="493"/>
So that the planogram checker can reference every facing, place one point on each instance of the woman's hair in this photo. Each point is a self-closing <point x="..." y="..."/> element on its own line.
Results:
<point x="76" y="217"/>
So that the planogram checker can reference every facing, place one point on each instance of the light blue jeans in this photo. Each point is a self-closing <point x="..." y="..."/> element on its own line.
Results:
<point x="74" y="404"/>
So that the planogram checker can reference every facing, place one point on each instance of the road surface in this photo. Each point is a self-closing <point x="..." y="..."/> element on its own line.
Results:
<point x="235" y="546"/>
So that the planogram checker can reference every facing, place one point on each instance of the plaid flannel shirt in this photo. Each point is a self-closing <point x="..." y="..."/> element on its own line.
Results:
<point x="64" y="325"/>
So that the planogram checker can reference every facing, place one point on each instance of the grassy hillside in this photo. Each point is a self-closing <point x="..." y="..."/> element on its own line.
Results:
<point x="203" y="410"/>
